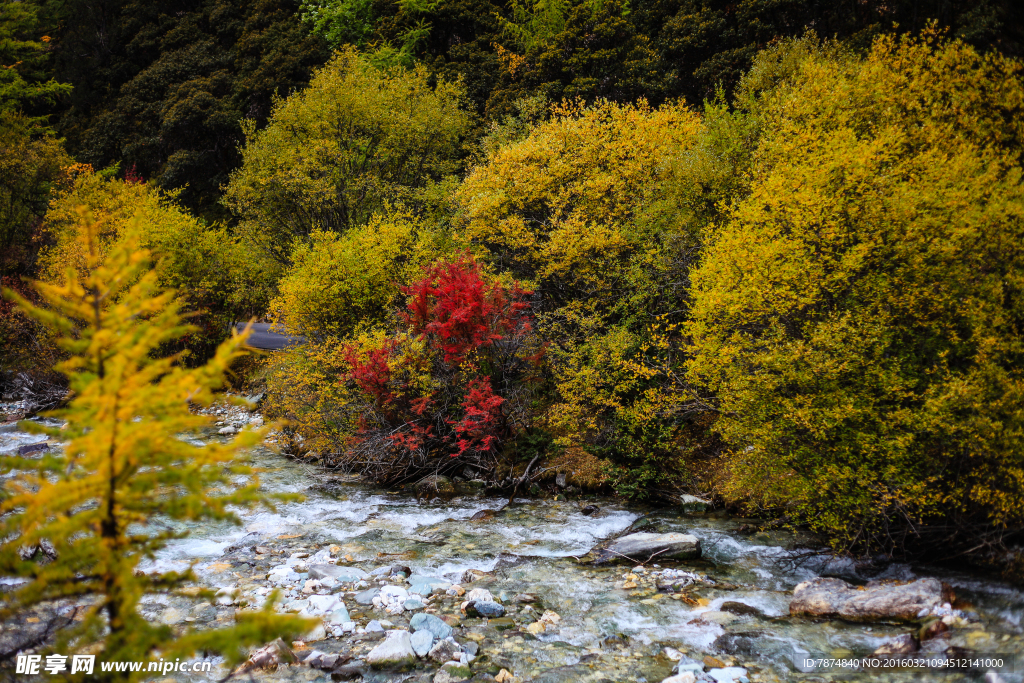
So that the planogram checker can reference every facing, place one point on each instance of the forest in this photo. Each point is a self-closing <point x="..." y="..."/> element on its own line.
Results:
<point x="768" y="253"/>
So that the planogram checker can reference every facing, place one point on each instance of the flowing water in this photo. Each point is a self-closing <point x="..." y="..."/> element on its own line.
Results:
<point x="606" y="632"/>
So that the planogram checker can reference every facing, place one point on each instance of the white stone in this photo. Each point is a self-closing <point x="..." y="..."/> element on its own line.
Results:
<point x="395" y="650"/>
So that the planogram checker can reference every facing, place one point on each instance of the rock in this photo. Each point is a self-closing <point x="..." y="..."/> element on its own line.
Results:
<point x="482" y="515"/>
<point x="470" y="648"/>
<point x="271" y="654"/>
<point x="931" y="628"/>
<point x="718" y="617"/>
<point x="425" y="585"/>
<point x="444" y="650"/>
<point x="318" y="632"/>
<point x="560" y="481"/>
<point x="452" y="673"/>
<point x="693" y="503"/>
<point x="339" y="615"/>
<point x="374" y="627"/>
<point x="589" y="510"/>
<point x="227" y="431"/>
<point x="828" y="597"/>
<point x="395" y="652"/>
<point x="171" y="616"/>
<point x="713" y="662"/>
<point x="435" y="486"/>
<point x="900" y="645"/>
<point x="485" y="608"/>
<point x="741" y="608"/>
<point x="347" y="672"/>
<point x="412" y="604"/>
<point x="645" y="546"/>
<point x="366" y="597"/>
<point x="481" y="594"/>
<point x="336" y="572"/>
<point x="313" y="659"/>
<point x="283" y="574"/>
<point x="685" y="677"/>
<point x="436" y="626"/>
<point x="729" y="674"/>
<point x="502" y="623"/>
<point x="327" y="662"/>
<point x="322" y="604"/>
<point x="422" y="641"/>
<point x="526" y="598"/>
<point x="227" y="595"/>
<point x="204" y="612"/>
<point x="381" y="571"/>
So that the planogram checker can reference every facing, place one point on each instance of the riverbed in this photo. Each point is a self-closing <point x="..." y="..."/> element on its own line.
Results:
<point x="613" y="622"/>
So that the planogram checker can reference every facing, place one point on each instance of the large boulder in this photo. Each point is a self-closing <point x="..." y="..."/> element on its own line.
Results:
<point x="395" y="652"/>
<point x="828" y="597"/>
<point x="644" y="546"/>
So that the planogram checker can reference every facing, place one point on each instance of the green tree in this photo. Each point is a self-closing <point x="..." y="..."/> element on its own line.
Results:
<point x="336" y="153"/>
<point x="161" y="87"/>
<point x="858" y="313"/>
<point x="123" y="463"/>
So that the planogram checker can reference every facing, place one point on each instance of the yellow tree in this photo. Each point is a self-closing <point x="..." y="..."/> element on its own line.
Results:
<point x="123" y="463"/>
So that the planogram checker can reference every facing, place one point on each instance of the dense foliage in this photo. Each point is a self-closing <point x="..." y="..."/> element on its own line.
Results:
<point x="766" y="252"/>
<point x="858" y="313"/>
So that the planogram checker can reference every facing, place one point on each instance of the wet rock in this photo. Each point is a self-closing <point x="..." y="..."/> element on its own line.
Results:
<point x="900" y="645"/>
<point x="328" y="662"/>
<point x="470" y="648"/>
<point x="436" y="626"/>
<point x="526" y="598"/>
<point x="348" y="672"/>
<point x="485" y="608"/>
<point x="422" y="641"/>
<point x="227" y="431"/>
<point x="452" y="673"/>
<point x="482" y="515"/>
<point x="713" y="662"/>
<point x="444" y="650"/>
<point x="481" y="594"/>
<point x="413" y="604"/>
<point x="435" y="486"/>
<point x="589" y="510"/>
<point x="366" y="597"/>
<point x="502" y="623"/>
<point x="931" y="628"/>
<point x="835" y="598"/>
<point x="718" y="617"/>
<point x="693" y="503"/>
<point x="395" y="652"/>
<point x="374" y="627"/>
<point x="336" y="572"/>
<point x="741" y="609"/>
<point x="645" y="546"/>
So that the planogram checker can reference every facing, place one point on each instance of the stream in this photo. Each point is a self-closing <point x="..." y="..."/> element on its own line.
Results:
<point x="737" y="614"/>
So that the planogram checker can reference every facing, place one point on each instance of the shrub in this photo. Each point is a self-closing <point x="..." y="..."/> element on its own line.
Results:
<point x="339" y="284"/>
<point x="452" y="386"/>
<point x="858" y="315"/>
<point x="336" y="153"/>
